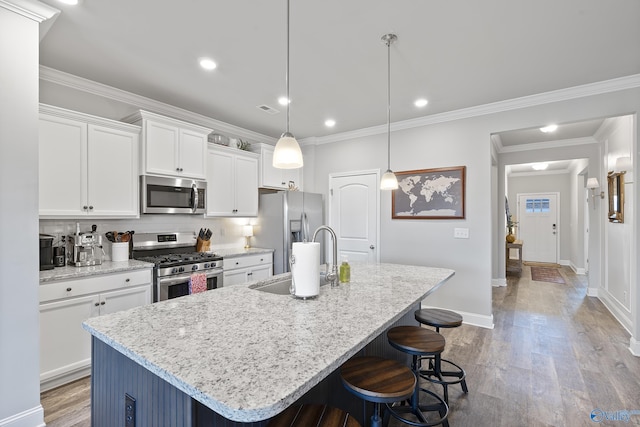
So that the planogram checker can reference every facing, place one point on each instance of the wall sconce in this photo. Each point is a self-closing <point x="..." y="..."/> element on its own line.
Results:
<point x="592" y="184"/>
<point x="247" y="232"/>
<point x="623" y="164"/>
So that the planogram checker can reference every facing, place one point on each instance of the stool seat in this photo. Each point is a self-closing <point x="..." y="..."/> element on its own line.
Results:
<point x="313" y="415"/>
<point x="438" y="318"/>
<point x="416" y="340"/>
<point x="378" y="380"/>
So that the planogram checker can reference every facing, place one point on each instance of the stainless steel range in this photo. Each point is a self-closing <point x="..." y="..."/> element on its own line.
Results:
<point x="176" y="260"/>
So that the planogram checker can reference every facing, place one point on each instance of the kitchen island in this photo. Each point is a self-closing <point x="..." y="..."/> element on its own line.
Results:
<point x="244" y="355"/>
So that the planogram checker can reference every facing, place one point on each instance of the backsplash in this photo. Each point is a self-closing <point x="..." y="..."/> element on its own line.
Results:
<point x="227" y="232"/>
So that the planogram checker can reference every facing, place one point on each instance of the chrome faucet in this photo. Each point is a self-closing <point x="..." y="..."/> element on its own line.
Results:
<point x="333" y="276"/>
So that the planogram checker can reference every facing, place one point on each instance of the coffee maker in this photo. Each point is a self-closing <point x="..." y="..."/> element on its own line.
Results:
<point x="85" y="248"/>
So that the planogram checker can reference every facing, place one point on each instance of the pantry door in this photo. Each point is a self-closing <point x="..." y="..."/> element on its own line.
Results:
<point x="354" y="208"/>
<point x="538" y="226"/>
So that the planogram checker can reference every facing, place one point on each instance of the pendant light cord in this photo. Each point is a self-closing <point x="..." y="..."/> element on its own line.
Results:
<point x="286" y="78"/>
<point x="389" y="104"/>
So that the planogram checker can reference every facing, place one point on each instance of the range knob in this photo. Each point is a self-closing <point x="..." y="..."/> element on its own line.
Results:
<point x="206" y="265"/>
<point x="181" y="269"/>
<point x="174" y="270"/>
<point x="194" y="268"/>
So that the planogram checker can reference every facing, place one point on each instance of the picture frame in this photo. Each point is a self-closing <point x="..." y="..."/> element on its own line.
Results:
<point x="430" y="194"/>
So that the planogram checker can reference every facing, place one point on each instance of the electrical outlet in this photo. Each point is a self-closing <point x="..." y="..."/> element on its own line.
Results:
<point x="129" y="411"/>
<point x="460" y="233"/>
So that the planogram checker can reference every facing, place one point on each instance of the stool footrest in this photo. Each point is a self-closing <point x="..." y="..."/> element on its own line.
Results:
<point x="429" y="374"/>
<point x="398" y="410"/>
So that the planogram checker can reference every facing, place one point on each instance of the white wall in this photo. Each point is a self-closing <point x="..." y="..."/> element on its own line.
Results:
<point x="616" y="289"/>
<point x="19" y="250"/>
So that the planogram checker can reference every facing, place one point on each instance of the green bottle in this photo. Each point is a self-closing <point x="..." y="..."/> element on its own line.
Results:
<point x="345" y="270"/>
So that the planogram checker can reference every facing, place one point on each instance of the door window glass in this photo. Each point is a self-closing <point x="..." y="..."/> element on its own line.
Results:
<point x="537" y="205"/>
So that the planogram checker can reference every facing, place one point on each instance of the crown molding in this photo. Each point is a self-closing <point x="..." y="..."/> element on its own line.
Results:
<point x="31" y="9"/>
<point x="549" y="144"/>
<point x="74" y="82"/>
<point x="607" y="86"/>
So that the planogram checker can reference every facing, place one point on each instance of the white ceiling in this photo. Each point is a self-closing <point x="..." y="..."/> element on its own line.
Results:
<point x="457" y="54"/>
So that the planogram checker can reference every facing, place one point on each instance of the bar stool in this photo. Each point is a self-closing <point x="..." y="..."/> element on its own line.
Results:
<point x="378" y="380"/>
<point x="439" y="318"/>
<point x="421" y="343"/>
<point x="313" y="415"/>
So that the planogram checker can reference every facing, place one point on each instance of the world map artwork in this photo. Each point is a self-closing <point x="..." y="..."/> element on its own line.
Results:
<point x="430" y="194"/>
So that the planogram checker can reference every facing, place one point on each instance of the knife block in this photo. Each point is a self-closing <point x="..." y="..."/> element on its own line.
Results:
<point x="203" y="245"/>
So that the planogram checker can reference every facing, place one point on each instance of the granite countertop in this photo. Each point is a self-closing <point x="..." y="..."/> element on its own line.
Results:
<point x="248" y="354"/>
<point x="73" y="272"/>
<point x="235" y="252"/>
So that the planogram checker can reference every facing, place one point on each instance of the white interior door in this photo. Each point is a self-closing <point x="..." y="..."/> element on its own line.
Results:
<point x="354" y="210"/>
<point x="538" y="226"/>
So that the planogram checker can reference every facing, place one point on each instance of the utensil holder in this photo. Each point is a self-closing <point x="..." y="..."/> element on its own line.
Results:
<point x="119" y="251"/>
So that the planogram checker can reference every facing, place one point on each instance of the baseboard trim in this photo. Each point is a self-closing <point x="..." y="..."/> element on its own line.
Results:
<point x="592" y="292"/>
<point x="67" y="377"/>
<point x="473" y="319"/>
<point x="578" y="270"/>
<point x="634" y="347"/>
<point x="620" y="312"/>
<point x="564" y="262"/>
<point x="496" y="283"/>
<point x="33" y="417"/>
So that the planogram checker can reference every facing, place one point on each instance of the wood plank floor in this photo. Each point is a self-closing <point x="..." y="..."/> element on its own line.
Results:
<point x="554" y="356"/>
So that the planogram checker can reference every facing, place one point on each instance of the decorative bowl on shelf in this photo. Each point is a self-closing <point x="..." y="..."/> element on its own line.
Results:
<point x="216" y="138"/>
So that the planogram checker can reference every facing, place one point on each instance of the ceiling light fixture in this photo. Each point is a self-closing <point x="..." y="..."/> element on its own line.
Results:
<point x="329" y="123"/>
<point x="287" y="154"/>
<point x="389" y="180"/>
<point x="549" y="128"/>
<point x="539" y="166"/>
<point x="208" y="64"/>
<point x="421" y="103"/>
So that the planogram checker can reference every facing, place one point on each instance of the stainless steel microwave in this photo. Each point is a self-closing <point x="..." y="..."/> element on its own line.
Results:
<point x="162" y="195"/>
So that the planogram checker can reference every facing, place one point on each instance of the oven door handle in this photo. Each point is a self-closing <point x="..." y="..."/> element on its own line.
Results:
<point x="174" y="280"/>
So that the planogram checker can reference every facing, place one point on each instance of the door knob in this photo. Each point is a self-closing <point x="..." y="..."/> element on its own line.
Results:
<point x="372" y="247"/>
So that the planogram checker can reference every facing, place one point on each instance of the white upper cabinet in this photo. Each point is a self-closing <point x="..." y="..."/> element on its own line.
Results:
<point x="271" y="177"/>
<point x="171" y="147"/>
<point x="88" y="166"/>
<point x="232" y="182"/>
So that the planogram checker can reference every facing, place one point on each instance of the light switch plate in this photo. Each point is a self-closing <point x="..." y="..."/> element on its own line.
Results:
<point x="460" y="233"/>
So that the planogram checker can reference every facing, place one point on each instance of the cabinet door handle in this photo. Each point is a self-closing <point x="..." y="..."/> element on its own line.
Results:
<point x="97" y="304"/>
<point x="250" y="274"/>
<point x="177" y="169"/>
<point x="103" y="303"/>
<point x="372" y="247"/>
<point x="282" y="183"/>
<point x="68" y="289"/>
<point x="85" y="207"/>
<point x="90" y="207"/>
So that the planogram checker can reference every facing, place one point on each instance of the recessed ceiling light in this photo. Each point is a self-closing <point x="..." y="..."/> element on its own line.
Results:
<point x="539" y="166"/>
<point x="549" y="128"/>
<point x="421" y="102"/>
<point x="329" y="123"/>
<point x="283" y="100"/>
<point x="208" y="64"/>
<point x="69" y="2"/>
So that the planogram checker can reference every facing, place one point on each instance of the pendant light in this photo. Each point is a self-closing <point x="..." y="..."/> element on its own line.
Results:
<point x="389" y="180"/>
<point x="287" y="154"/>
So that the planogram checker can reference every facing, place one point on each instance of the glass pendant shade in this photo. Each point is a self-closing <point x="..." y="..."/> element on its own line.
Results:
<point x="287" y="154"/>
<point x="389" y="181"/>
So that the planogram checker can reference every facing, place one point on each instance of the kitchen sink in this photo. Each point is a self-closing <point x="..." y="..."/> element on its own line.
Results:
<point x="281" y="287"/>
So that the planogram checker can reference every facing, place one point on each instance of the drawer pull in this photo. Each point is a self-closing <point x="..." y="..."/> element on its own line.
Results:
<point x="127" y="280"/>
<point x="68" y="289"/>
<point x="237" y="263"/>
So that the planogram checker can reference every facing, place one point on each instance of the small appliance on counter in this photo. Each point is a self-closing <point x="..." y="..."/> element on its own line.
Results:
<point x="46" y="252"/>
<point x="85" y="248"/>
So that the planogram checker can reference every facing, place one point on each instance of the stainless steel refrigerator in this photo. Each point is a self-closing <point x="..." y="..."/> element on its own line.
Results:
<point x="286" y="217"/>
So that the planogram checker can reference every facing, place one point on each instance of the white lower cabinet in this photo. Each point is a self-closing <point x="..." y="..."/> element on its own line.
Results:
<point x="247" y="268"/>
<point x="65" y="347"/>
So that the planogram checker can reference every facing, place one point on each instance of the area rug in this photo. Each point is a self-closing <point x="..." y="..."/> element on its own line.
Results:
<point x="546" y="274"/>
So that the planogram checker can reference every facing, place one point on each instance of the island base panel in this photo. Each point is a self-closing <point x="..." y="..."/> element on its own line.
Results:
<point x="159" y="403"/>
